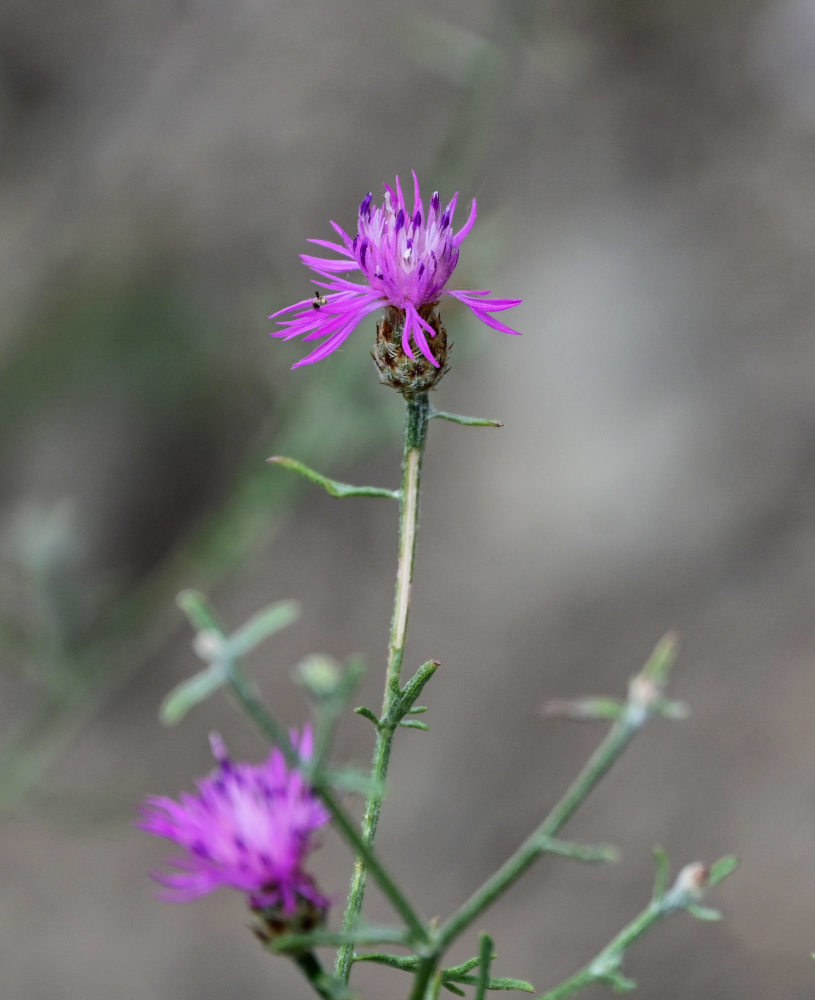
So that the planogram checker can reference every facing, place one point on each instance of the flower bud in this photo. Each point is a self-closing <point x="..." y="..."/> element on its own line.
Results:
<point x="319" y="675"/>
<point x="409" y="375"/>
<point x="272" y="921"/>
<point x="692" y="880"/>
<point x="208" y="644"/>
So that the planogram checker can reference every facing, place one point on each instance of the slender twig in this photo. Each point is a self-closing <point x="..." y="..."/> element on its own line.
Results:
<point x="609" y="750"/>
<point x="599" y="969"/>
<point x="459" y="418"/>
<point x="684" y="894"/>
<point x="645" y="697"/>
<point x="332" y="486"/>
<point x="417" y="416"/>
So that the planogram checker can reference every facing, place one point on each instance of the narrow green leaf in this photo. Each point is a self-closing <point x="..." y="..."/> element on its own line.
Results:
<point x="620" y="983"/>
<point x="497" y="983"/>
<point x="406" y="963"/>
<point x="261" y="626"/>
<point x="662" y="659"/>
<point x="703" y="912"/>
<point x="326" y="938"/>
<point x="583" y="709"/>
<point x="671" y="709"/>
<point x="199" y="611"/>
<point x="366" y="713"/>
<point x="508" y="983"/>
<point x="454" y="989"/>
<point x="332" y="486"/>
<point x="191" y="692"/>
<point x="484" y="962"/>
<point x="413" y="688"/>
<point x="720" y="869"/>
<point x="460" y="970"/>
<point x="458" y="418"/>
<point x="579" y="852"/>
<point x="662" y="873"/>
<point x="414" y="724"/>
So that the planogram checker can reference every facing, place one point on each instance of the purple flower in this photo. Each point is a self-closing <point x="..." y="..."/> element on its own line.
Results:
<point x="406" y="258"/>
<point x="249" y="827"/>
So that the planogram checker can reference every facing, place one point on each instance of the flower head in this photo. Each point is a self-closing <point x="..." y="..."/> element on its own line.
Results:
<point x="406" y="257"/>
<point x="249" y="826"/>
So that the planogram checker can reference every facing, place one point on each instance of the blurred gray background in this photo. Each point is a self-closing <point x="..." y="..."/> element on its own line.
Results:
<point x="644" y="175"/>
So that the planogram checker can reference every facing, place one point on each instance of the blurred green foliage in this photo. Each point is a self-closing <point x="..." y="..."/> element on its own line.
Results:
<point x="86" y="593"/>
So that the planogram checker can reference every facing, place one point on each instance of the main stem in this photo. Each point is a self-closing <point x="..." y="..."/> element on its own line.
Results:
<point x="416" y="420"/>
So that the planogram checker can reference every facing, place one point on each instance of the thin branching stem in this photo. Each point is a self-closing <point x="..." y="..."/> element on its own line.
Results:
<point x="606" y="965"/>
<point x="244" y="694"/>
<point x="607" y="960"/>
<point x="615" y="742"/>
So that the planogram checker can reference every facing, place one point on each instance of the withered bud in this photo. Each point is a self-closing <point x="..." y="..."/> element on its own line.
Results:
<point x="693" y="879"/>
<point x="405" y="374"/>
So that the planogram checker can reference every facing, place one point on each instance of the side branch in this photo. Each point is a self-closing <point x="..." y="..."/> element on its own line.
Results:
<point x="458" y="418"/>
<point x="685" y="894"/>
<point x="645" y="698"/>
<point x="333" y="486"/>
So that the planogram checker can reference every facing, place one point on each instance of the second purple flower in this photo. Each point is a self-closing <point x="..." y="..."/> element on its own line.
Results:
<point x="249" y="827"/>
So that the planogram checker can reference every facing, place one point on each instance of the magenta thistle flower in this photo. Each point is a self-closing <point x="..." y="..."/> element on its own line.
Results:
<point x="406" y="258"/>
<point x="249" y="827"/>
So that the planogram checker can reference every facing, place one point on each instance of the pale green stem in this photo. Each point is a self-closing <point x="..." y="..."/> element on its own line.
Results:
<point x="604" y="967"/>
<point x="417" y="416"/>
<point x="615" y="742"/>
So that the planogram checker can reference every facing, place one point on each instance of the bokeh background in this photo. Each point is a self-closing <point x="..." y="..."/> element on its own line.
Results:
<point x="645" y="176"/>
